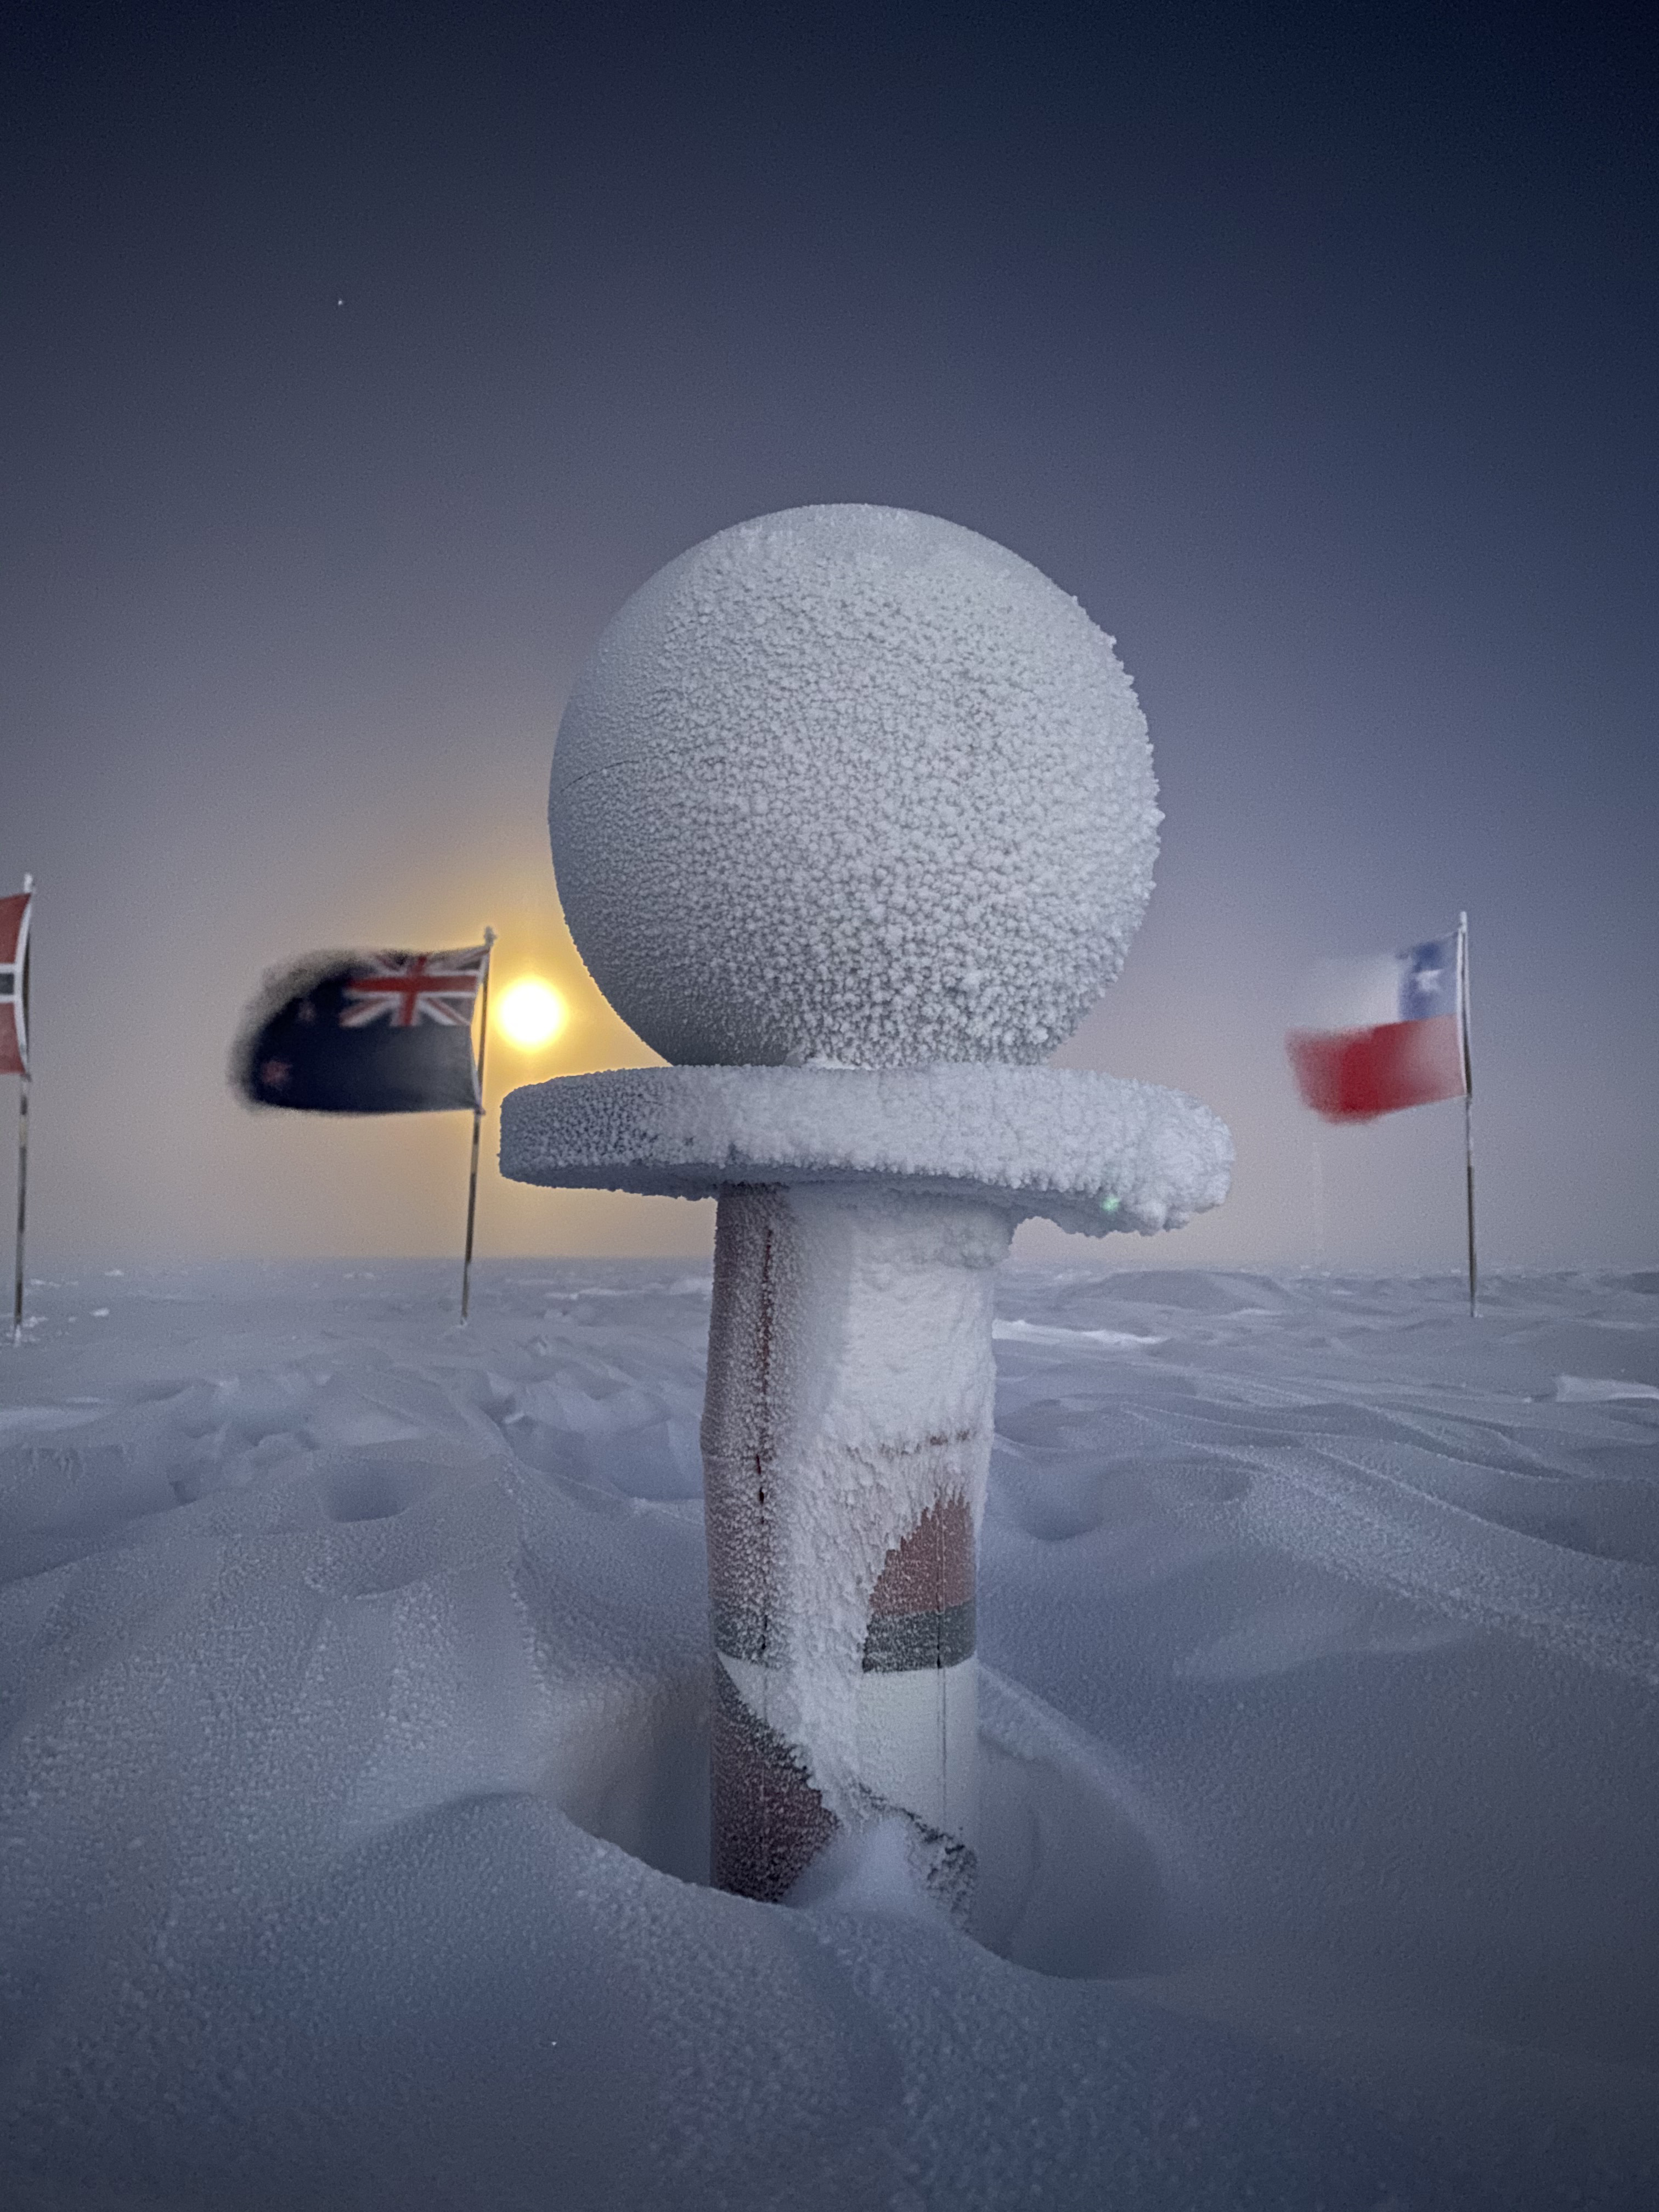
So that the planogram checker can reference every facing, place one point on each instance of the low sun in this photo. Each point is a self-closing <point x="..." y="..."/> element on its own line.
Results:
<point x="530" y="1013"/>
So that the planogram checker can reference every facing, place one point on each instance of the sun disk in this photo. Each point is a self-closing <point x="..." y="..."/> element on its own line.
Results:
<point x="530" y="1014"/>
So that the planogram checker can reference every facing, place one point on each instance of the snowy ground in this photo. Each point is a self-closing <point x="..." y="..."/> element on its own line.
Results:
<point x="353" y="1676"/>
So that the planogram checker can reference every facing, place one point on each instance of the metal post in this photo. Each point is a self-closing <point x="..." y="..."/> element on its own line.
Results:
<point x="478" y="1130"/>
<point x="845" y="1435"/>
<point x="23" y="1139"/>
<point x="1468" y="1096"/>
<point x="22" y="1205"/>
<point x="1319" y="1203"/>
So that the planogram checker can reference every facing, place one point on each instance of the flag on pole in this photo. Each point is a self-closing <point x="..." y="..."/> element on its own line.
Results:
<point x="1378" y="1034"/>
<point x="14" y="982"/>
<point x="364" y="1033"/>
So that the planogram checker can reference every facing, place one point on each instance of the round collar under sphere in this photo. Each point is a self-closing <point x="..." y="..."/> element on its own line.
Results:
<point x="854" y="785"/>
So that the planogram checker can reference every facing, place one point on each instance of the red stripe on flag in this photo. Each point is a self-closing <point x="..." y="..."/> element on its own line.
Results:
<point x="14" y="915"/>
<point x="13" y="908"/>
<point x="1355" y="1075"/>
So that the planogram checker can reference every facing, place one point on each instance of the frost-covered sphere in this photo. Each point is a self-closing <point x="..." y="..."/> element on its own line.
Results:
<point x="853" y="785"/>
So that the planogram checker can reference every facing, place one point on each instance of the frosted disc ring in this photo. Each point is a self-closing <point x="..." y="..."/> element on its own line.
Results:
<point x="1090" y="1152"/>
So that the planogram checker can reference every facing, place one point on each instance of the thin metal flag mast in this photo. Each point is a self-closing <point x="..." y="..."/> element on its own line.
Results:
<point x="1468" y="1096"/>
<point x="477" y="1128"/>
<point x="22" y="1209"/>
<point x="21" y="993"/>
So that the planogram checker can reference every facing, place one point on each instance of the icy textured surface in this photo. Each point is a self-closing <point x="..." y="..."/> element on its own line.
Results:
<point x="854" y="784"/>
<point x="345" y="1659"/>
<point x="1093" y="1152"/>
<point x="856" y="1387"/>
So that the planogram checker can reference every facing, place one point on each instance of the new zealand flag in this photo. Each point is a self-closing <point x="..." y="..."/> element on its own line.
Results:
<point x="363" y="1033"/>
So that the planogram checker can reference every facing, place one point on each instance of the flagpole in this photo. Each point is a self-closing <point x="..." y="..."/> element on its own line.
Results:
<point x="477" y="1129"/>
<point x="22" y="1148"/>
<point x="1468" y="1095"/>
<point x="1319" y="1203"/>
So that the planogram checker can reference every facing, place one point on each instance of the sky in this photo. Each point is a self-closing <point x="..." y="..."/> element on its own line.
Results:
<point x="358" y="364"/>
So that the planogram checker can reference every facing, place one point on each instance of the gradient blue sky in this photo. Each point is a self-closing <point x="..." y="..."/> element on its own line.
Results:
<point x="1312" y="348"/>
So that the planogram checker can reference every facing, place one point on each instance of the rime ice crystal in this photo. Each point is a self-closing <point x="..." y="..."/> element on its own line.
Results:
<point x="1090" y="1152"/>
<point x="852" y="784"/>
<point x="852" y="814"/>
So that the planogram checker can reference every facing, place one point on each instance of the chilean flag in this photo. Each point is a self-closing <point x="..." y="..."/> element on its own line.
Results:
<point x="1380" y="1034"/>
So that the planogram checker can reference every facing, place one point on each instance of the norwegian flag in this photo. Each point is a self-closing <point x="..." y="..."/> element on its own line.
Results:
<point x="364" y="1033"/>
<point x="15" y="982"/>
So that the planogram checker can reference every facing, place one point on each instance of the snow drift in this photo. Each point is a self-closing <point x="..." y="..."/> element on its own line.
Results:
<point x="354" y="1679"/>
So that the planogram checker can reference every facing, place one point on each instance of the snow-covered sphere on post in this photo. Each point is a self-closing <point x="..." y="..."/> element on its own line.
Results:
<point x="852" y="785"/>
<point x="854" y="817"/>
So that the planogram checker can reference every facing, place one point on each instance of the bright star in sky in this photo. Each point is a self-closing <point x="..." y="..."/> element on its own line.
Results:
<point x="530" y="1014"/>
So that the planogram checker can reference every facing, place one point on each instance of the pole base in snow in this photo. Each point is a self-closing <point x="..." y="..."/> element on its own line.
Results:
<point x="846" y="1433"/>
<point x="847" y="1423"/>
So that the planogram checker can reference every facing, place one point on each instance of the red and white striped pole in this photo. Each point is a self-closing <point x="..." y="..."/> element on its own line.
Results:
<point x="847" y="1436"/>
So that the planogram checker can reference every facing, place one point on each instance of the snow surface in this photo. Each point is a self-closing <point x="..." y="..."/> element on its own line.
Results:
<point x="355" y="1676"/>
<point x="854" y="784"/>
<point x="1092" y="1153"/>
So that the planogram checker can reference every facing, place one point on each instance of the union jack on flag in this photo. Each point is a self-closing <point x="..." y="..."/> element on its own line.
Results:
<point x="402" y="988"/>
